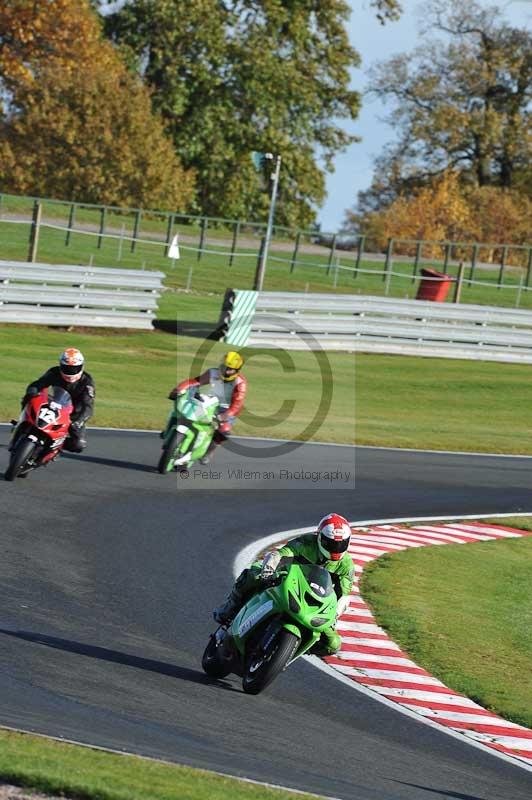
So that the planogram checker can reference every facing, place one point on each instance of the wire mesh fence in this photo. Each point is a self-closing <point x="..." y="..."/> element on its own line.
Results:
<point x="220" y="253"/>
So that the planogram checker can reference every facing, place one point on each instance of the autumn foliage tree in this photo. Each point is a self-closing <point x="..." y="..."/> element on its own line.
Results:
<point x="444" y="210"/>
<point x="436" y="212"/>
<point x="460" y="102"/>
<point x="77" y="124"/>
<point x="500" y="216"/>
<point x="37" y="33"/>
<point x="91" y="136"/>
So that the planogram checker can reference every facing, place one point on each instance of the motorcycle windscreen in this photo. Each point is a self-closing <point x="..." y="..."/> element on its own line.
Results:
<point x="59" y="396"/>
<point x="199" y="410"/>
<point x="319" y="580"/>
<point x="221" y="390"/>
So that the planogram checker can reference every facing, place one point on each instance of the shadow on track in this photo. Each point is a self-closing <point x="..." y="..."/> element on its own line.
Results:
<point x="443" y="792"/>
<point x="202" y="330"/>
<point x="115" y="657"/>
<point x="110" y="462"/>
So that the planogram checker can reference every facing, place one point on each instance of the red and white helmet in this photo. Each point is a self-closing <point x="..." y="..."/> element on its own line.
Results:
<point x="71" y="365"/>
<point x="334" y="535"/>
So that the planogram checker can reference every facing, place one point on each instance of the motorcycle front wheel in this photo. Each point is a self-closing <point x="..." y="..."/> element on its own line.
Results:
<point x="166" y="461"/>
<point x="19" y="457"/>
<point x="211" y="663"/>
<point x="263" y="666"/>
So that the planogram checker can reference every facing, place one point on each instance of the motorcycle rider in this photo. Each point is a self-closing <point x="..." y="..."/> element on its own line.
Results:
<point x="230" y="386"/>
<point x="327" y="548"/>
<point x="71" y="376"/>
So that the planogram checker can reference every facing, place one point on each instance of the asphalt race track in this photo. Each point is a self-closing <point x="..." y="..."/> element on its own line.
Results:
<point x="109" y="572"/>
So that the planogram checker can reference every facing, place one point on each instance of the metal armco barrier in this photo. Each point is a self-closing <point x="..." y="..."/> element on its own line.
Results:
<point x="360" y="323"/>
<point x="50" y="294"/>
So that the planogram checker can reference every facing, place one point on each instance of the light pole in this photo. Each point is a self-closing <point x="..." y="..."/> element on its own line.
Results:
<point x="261" y="266"/>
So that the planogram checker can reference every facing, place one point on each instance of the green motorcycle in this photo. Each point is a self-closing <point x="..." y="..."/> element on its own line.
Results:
<point x="189" y="431"/>
<point x="276" y="626"/>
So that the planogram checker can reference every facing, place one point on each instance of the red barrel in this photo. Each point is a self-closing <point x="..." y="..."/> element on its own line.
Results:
<point x="436" y="290"/>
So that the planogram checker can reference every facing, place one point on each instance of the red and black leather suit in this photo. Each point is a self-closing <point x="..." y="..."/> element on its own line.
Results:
<point x="234" y="394"/>
<point x="82" y="393"/>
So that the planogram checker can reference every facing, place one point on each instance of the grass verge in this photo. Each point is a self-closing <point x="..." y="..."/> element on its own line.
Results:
<point x="82" y="773"/>
<point x="443" y="404"/>
<point x="464" y="613"/>
<point x="134" y="372"/>
<point x="375" y="399"/>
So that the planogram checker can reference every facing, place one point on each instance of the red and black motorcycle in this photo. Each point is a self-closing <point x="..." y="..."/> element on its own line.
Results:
<point x="41" y="431"/>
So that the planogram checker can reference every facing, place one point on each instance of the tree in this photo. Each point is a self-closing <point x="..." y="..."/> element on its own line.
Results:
<point x="460" y="102"/>
<point x="77" y="124"/>
<point x="38" y="32"/>
<point x="500" y="216"/>
<point x="446" y="210"/>
<point x="387" y="10"/>
<point x="91" y="136"/>
<point x="230" y="78"/>
<point x="435" y="212"/>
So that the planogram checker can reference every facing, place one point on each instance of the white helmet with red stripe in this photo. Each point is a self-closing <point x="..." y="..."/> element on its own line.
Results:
<point x="71" y="365"/>
<point x="334" y="535"/>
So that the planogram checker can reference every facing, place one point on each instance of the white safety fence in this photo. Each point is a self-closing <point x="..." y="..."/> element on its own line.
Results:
<point x="65" y="295"/>
<point x="376" y="324"/>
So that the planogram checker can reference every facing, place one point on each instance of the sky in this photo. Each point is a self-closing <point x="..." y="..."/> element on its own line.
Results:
<point x="375" y="42"/>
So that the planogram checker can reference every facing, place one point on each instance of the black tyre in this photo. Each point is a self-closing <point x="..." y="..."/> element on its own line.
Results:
<point x="167" y="457"/>
<point x="210" y="662"/>
<point x="20" y="455"/>
<point x="263" y="667"/>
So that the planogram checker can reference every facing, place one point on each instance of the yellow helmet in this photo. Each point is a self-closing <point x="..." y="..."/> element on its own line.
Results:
<point x="231" y="365"/>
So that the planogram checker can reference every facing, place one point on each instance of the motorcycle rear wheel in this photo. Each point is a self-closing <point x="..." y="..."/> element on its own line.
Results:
<point x="210" y="662"/>
<point x="167" y="457"/>
<point x="19" y="457"/>
<point x="262" y="668"/>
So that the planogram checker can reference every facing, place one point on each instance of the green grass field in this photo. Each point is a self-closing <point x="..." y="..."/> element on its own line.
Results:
<point x="464" y="613"/>
<point x="134" y="373"/>
<point x="376" y="399"/>
<point x="85" y="774"/>
<point x="443" y="404"/>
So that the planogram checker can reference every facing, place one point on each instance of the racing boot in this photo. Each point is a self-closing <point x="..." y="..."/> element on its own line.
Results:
<point x="245" y="587"/>
<point x="207" y="458"/>
<point x="75" y="444"/>
<point x="328" y="644"/>
<point x="75" y="441"/>
<point x="225" y="614"/>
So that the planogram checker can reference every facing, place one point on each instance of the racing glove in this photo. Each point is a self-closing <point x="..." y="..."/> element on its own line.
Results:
<point x="31" y="392"/>
<point x="175" y="393"/>
<point x="270" y="562"/>
<point x="342" y="605"/>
